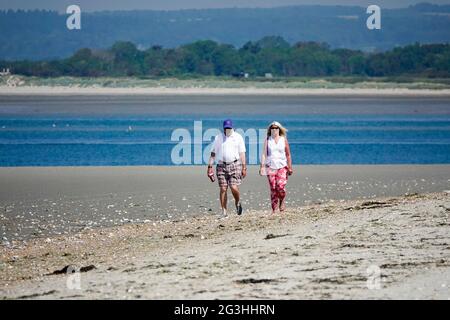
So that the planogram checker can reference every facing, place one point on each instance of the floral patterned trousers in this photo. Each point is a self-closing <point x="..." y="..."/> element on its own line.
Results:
<point x="277" y="182"/>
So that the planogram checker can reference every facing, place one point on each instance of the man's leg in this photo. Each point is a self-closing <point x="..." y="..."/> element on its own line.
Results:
<point x="234" y="182"/>
<point x="235" y="192"/>
<point x="223" y="185"/>
<point x="223" y="197"/>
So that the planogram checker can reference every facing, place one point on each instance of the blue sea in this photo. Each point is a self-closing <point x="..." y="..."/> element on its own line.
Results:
<point x="125" y="140"/>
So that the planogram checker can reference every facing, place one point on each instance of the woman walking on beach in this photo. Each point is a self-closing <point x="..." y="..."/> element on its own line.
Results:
<point x="276" y="163"/>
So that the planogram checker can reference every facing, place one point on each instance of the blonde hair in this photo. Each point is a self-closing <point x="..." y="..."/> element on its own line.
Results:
<point x="283" y="130"/>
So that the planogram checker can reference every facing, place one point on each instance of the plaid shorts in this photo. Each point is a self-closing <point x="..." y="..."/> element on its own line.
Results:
<point x="229" y="174"/>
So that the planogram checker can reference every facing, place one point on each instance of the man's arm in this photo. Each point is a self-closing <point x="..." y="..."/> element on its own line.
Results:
<point x="211" y="160"/>
<point x="263" y="159"/>
<point x="212" y="157"/>
<point x="244" y="165"/>
<point x="242" y="151"/>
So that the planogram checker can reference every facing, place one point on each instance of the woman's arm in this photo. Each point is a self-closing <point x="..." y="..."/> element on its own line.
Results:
<point x="288" y="156"/>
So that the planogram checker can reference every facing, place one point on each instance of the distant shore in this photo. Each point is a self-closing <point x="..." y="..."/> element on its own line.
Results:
<point x="161" y="91"/>
<point x="296" y="86"/>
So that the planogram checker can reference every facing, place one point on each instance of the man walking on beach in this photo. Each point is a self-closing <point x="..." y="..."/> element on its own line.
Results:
<point x="229" y="150"/>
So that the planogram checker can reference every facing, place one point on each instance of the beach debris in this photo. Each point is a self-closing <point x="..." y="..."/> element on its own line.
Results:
<point x="5" y="242"/>
<point x="369" y="205"/>
<point x="35" y="295"/>
<point x="273" y="236"/>
<point x="415" y="194"/>
<point x="340" y="280"/>
<point x="438" y="263"/>
<point x="66" y="268"/>
<point x="353" y="245"/>
<point x="158" y="265"/>
<point x="255" y="281"/>
<point x="374" y="204"/>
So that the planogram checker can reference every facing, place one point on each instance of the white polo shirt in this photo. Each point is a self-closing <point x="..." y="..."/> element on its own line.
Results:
<point x="228" y="148"/>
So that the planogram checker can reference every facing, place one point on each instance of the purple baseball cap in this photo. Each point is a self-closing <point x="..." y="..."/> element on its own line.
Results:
<point x="228" y="124"/>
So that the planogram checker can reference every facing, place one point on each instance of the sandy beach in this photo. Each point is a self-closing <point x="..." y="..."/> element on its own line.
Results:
<point x="341" y="221"/>
<point x="326" y="251"/>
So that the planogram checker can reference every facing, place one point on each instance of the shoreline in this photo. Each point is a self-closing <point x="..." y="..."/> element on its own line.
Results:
<point x="195" y="91"/>
<point x="316" y="251"/>
<point x="82" y="198"/>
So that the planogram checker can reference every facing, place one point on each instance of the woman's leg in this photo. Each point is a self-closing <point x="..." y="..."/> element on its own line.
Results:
<point x="281" y="181"/>
<point x="271" y="177"/>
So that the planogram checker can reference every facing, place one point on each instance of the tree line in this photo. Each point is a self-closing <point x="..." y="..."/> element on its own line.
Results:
<point x="270" y="54"/>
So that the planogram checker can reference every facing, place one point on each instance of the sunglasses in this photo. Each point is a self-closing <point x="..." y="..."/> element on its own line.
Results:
<point x="274" y="128"/>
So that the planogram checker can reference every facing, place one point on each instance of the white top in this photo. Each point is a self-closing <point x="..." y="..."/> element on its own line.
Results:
<point x="276" y="157"/>
<point x="228" y="148"/>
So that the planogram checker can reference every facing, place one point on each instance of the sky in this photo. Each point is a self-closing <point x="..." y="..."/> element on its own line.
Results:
<point x="99" y="5"/>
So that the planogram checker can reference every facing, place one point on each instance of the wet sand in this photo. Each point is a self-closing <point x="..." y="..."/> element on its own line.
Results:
<point x="97" y="105"/>
<point x="51" y="201"/>
<point x="390" y="248"/>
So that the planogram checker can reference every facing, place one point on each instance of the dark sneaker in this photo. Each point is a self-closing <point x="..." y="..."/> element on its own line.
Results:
<point x="239" y="209"/>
